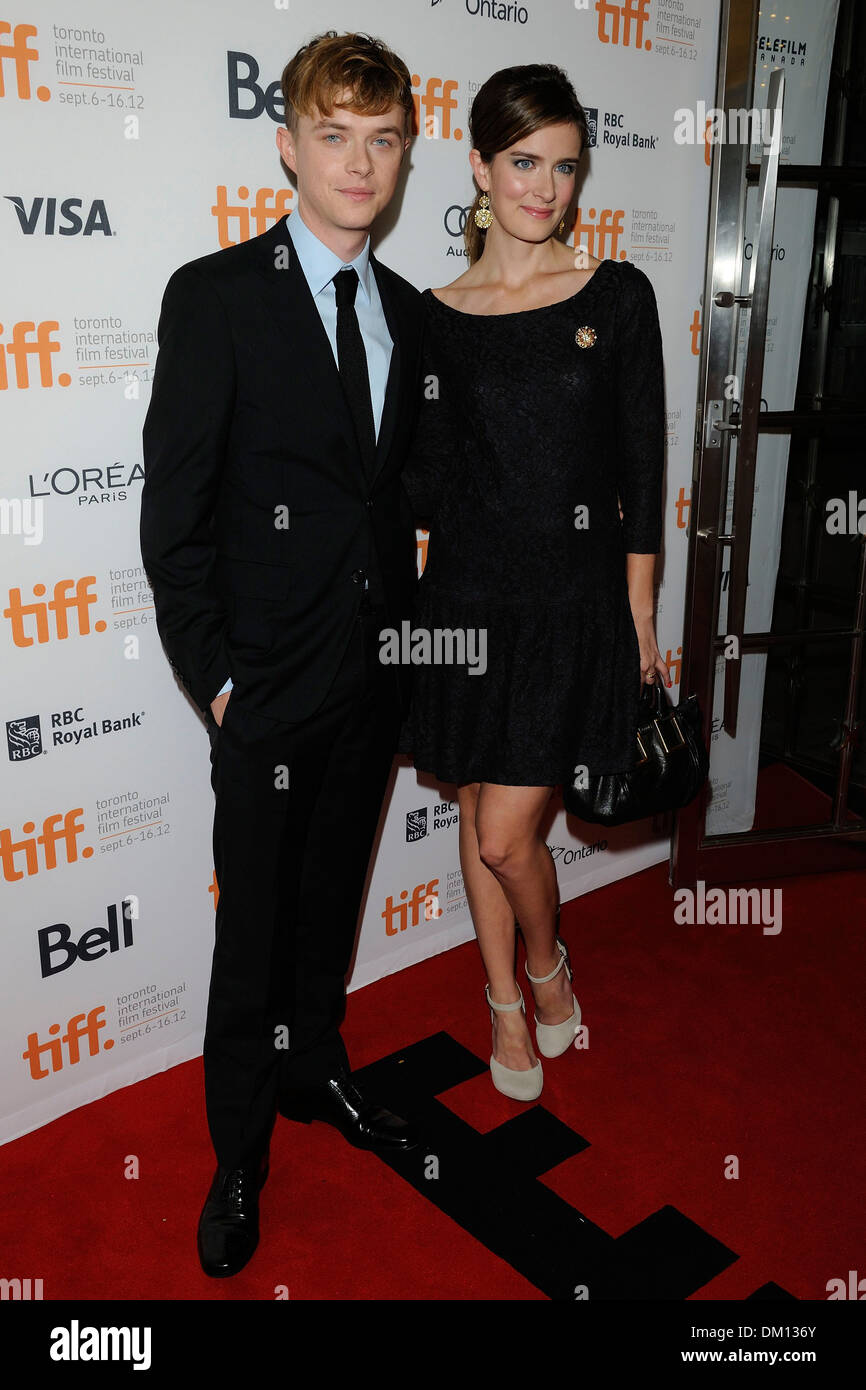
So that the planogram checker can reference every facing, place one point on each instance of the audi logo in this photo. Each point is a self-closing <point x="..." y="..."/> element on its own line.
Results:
<point x="455" y="219"/>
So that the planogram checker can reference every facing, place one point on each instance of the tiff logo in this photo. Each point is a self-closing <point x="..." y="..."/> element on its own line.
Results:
<point x="22" y="57"/>
<point x="269" y="206"/>
<point x="79" y="1027"/>
<point x="422" y="893"/>
<point x="602" y="230"/>
<point x="56" y="829"/>
<point x="31" y="339"/>
<point x="438" y="101"/>
<point x="621" y="17"/>
<point x="60" y="605"/>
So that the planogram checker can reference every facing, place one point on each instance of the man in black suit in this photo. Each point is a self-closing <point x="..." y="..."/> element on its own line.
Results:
<point x="279" y="540"/>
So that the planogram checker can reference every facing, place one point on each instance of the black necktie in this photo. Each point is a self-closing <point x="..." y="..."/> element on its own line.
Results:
<point x="353" y="363"/>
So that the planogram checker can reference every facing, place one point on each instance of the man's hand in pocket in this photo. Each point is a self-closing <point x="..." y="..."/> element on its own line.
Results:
<point x="218" y="706"/>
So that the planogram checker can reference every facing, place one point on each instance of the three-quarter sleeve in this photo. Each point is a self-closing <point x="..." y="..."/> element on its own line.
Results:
<point x="639" y="413"/>
<point x="433" y="447"/>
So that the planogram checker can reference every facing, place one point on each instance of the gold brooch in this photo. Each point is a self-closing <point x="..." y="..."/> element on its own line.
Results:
<point x="585" y="337"/>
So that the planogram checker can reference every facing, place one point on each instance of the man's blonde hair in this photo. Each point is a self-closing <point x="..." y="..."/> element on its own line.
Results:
<point x="331" y="63"/>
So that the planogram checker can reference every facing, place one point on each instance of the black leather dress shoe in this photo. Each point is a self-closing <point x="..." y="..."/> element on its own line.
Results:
<point x="228" y="1228"/>
<point x="338" y="1102"/>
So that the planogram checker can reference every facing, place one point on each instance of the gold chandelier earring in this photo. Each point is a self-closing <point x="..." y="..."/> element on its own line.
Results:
<point x="483" y="215"/>
<point x="561" y="227"/>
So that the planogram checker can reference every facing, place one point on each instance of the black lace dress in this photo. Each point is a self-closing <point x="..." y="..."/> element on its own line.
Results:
<point x="532" y="424"/>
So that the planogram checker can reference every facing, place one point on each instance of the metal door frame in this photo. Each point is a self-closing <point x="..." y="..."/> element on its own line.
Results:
<point x="753" y="854"/>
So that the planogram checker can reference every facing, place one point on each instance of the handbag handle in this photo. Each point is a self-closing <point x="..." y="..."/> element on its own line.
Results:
<point x="654" y="697"/>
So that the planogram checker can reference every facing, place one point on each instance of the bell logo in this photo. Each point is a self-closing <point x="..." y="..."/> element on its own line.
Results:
<point x="422" y="893"/>
<point x="31" y="339"/>
<point x="57" y="829"/>
<point x="268" y="207"/>
<point x="21" y="57"/>
<point x="81" y="1026"/>
<point x="620" y="18"/>
<point x="243" y="72"/>
<point x="60" y="605"/>
<point x="55" y="941"/>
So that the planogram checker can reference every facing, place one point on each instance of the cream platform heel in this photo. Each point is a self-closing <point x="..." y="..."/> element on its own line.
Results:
<point x="519" y="1085"/>
<point x="552" y="1039"/>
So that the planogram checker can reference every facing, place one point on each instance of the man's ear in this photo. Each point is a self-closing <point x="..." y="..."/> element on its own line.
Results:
<point x="286" y="147"/>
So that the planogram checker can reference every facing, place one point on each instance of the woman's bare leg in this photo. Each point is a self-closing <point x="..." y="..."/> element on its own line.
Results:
<point x="508" y="873"/>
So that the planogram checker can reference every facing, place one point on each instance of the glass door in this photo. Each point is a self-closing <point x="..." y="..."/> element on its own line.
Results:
<point x="776" y="593"/>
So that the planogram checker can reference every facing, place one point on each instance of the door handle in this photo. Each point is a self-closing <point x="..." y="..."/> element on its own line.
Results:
<point x="747" y="439"/>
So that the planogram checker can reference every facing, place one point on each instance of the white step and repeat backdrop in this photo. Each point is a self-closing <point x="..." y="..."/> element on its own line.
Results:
<point x="134" y="138"/>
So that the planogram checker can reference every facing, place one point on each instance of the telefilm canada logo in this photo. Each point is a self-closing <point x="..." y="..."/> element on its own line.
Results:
<point x="784" y="52"/>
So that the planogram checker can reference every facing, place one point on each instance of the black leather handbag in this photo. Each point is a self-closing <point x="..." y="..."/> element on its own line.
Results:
<point x="672" y="765"/>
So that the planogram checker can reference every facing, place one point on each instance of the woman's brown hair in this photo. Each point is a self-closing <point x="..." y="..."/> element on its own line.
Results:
<point x="512" y="104"/>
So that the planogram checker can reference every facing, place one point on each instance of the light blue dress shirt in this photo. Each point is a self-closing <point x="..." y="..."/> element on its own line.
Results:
<point x="320" y="264"/>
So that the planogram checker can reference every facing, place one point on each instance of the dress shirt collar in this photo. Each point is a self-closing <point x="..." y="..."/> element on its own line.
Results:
<point x="318" y="262"/>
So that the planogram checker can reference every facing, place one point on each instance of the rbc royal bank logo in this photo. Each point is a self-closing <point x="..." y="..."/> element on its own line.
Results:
<point x="416" y="825"/>
<point x="23" y="738"/>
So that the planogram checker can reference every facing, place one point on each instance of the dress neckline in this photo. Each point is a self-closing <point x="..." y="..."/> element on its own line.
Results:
<point x="515" y="313"/>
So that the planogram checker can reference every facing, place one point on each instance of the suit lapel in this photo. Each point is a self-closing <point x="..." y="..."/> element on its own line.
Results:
<point x="291" y="304"/>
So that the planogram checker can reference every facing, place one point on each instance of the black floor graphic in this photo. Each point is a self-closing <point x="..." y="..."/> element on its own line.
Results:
<point x="488" y="1184"/>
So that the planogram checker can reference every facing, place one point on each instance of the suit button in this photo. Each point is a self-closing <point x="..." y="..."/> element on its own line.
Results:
<point x="369" y="502"/>
<point x="358" y="577"/>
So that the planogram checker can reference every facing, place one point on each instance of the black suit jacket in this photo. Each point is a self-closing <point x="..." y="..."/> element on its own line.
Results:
<point x="258" y="524"/>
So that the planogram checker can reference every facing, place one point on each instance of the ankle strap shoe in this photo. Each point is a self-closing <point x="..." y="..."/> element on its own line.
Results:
<point x="552" y="1039"/>
<point x="518" y="1085"/>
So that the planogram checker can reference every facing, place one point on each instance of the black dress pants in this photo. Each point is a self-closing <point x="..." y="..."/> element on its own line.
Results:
<point x="297" y="806"/>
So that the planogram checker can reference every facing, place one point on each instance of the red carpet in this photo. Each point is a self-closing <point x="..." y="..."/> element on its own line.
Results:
<point x="704" y="1042"/>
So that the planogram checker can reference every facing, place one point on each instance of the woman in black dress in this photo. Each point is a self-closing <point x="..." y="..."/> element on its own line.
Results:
<point x="537" y="467"/>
